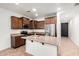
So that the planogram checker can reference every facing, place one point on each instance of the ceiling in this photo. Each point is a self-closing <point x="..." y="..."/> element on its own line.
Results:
<point x="43" y="9"/>
<point x="69" y="14"/>
<point x="68" y="10"/>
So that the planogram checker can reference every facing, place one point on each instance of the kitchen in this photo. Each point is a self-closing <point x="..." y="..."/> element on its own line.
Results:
<point x="31" y="27"/>
<point x="36" y="29"/>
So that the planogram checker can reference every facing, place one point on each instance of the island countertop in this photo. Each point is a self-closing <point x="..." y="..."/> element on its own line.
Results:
<point x="42" y="39"/>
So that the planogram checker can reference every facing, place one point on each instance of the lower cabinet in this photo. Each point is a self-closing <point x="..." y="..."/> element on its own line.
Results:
<point x="40" y="49"/>
<point x="17" y="41"/>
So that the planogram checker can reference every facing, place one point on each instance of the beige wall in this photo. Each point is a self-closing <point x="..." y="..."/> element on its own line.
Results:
<point x="5" y="27"/>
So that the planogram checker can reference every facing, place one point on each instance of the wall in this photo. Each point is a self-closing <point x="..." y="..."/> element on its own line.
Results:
<point x="5" y="27"/>
<point x="74" y="30"/>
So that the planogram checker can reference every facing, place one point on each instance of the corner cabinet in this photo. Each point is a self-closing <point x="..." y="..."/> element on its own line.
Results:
<point x="19" y="23"/>
<point x="17" y="41"/>
<point x="16" y="23"/>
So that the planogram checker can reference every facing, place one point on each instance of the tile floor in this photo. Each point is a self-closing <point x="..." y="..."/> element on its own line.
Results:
<point x="67" y="48"/>
<point x="15" y="52"/>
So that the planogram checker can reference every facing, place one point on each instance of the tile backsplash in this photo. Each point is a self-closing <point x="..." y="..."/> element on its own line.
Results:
<point x="15" y="31"/>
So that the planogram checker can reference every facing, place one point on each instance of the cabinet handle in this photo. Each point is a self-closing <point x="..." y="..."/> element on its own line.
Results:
<point x="42" y="43"/>
<point x="31" y="40"/>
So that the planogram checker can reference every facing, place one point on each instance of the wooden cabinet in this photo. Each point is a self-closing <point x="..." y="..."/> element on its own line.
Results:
<point x="17" y="41"/>
<point x="53" y="20"/>
<point x="50" y="20"/>
<point x="25" y="23"/>
<point x="36" y="24"/>
<point x="16" y="23"/>
<point x="19" y="23"/>
<point x="47" y="21"/>
<point x="40" y="24"/>
<point x="32" y="25"/>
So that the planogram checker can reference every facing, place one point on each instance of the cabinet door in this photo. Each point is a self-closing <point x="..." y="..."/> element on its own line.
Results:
<point x="25" y="21"/>
<point x="32" y="24"/>
<point x="53" y="20"/>
<point x="36" y="24"/>
<point x="19" y="41"/>
<point x="14" y="22"/>
<point x="40" y="24"/>
<point x="20" y="23"/>
<point x="47" y="21"/>
<point x="22" y="41"/>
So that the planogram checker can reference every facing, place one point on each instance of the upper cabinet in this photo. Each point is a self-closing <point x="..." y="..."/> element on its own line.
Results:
<point x="19" y="23"/>
<point x="16" y="23"/>
<point x="31" y="26"/>
<point x="25" y="23"/>
<point x="50" y="20"/>
<point x="40" y="24"/>
<point x="37" y="24"/>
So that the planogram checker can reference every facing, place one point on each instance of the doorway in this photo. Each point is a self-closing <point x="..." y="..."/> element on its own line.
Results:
<point x="64" y="29"/>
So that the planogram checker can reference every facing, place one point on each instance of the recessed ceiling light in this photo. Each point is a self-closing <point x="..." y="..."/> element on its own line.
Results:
<point x="36" y="14"/>
<point x="28" y="11"/>
<point x="34" y="9"/>
<point x="17" y="3"/>
<point x="58" y="8"/>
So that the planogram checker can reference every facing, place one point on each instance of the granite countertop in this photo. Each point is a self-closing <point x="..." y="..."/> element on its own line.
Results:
<point x="17" y="34"/>
<point x="43" y="39"/>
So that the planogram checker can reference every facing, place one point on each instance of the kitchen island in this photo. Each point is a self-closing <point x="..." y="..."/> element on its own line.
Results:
<point x="41" y="45"/>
